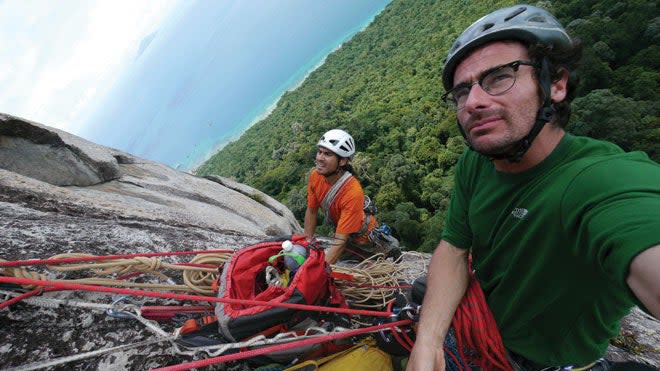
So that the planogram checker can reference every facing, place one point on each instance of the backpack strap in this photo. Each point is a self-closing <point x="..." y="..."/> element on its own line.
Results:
<point x="332" y="194"/>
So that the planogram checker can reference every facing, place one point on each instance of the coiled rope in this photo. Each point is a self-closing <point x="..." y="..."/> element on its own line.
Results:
<point x="370" y="284"/>
<point x="374" y="281"/>
<point x="198" y="275"/>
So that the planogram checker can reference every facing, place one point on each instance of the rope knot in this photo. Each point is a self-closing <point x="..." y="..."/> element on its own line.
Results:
<point x="19" y="272"/>
<point x="146" y="264"/>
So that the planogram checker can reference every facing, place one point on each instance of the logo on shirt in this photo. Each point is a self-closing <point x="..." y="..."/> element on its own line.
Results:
<point x="519" y="212"/>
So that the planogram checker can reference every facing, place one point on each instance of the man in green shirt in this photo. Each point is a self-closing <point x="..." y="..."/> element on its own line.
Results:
<point x="564" y="231"/>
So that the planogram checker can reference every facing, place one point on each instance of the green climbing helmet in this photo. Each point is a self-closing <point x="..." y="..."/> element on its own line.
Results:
<point x="522" y="22"/>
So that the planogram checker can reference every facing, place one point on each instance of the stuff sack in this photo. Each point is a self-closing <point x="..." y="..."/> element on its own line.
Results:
<point x="249" y="275"/>
<point x="365" y="356"/>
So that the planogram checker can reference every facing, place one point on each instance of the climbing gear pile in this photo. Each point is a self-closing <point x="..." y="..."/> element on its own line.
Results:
<point x="137" y="279"/>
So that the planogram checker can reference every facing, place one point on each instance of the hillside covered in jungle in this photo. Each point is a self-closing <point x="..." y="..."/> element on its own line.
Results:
<point x="383" y="87"/>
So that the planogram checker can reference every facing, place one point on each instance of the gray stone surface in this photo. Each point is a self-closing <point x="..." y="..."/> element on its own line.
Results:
<point x="37" y="162"/>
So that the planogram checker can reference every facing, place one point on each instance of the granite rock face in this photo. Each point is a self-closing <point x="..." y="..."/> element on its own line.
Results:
<point x="48" y="170"/>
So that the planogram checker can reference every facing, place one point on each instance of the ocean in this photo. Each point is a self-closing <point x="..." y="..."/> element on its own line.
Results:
<point x="213" y="69"/>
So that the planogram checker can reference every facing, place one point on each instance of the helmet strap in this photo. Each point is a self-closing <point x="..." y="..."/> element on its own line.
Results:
<point x="544" y="115"/>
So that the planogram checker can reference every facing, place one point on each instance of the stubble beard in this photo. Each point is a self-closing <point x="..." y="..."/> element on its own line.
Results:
<point x="501" y="142"/>
<point x="325" y="171"/>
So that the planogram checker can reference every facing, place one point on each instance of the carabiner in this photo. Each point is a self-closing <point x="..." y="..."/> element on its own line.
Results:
<point x="122" y="314"/>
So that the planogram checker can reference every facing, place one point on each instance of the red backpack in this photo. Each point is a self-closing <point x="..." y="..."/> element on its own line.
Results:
<point x="245" y="277"/>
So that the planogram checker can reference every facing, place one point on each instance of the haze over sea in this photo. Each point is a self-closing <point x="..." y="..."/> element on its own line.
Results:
<point x="214" y="68"/>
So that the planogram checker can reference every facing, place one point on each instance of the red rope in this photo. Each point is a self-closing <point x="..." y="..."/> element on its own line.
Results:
<point x="18" y="263"/>
<point x="407" y="346"/>
<point x="154" y="294"/>
<point x="177" y="308"/>
<point x="477" y="330"/>
<point x="454" y="358"/>
<point x="16" y="299"/>
<point x="407" y="338"/>
<point x="26" y="295"/>
<point x="405" y="343"/>
<point x="279" y="347"/>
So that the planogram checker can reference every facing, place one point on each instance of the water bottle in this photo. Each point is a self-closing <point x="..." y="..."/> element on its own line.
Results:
<point x="294" y="255"/>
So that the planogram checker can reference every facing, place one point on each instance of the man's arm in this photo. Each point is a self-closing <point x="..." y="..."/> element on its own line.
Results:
<point x="311" y="215"/>
<point x="644" y="279"/>
<point x="338" y="245"/>
<point x="446" y="284"/>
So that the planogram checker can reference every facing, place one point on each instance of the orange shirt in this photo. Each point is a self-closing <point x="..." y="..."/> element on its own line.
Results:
<point x="347" y="210"/>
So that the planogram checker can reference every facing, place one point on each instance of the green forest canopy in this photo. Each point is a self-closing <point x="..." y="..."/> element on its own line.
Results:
<point x="383" y="87"/>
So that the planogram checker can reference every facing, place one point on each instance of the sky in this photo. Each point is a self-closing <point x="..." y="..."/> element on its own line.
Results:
<point x="213" y="69"/>
<point x="165" y="80"/>
<point x="58" y="57"/>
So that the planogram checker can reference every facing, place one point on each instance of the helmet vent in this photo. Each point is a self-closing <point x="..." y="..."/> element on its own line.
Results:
<point x="487" y="26"/>
<point x="515" y="13"/>
<point x="538" y="18"/>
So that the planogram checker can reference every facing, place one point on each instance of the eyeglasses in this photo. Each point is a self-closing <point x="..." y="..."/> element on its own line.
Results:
<point x="495" y="81"/>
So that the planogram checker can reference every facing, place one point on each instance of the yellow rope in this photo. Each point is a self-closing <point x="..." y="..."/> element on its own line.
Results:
<point x="376" y="280"/>
<point x="195" y="279"/>
<point x="200" y="280"/>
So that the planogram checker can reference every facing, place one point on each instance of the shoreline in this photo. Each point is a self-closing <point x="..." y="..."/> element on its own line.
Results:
<point x="288" y="86"/>
<point x="261" y="116"/>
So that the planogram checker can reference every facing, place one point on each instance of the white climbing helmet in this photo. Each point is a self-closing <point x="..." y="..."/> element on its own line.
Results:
<point x="339" y="142"/>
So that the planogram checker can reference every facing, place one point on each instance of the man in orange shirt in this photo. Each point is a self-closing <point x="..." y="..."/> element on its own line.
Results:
<point x="334" y="189"/>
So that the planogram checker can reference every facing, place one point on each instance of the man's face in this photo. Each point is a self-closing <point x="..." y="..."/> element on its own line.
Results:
<point x="494" y="123"/>
<point x="327" y="161"/>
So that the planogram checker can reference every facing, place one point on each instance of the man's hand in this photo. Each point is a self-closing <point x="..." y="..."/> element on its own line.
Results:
<point x="426" y="357"/>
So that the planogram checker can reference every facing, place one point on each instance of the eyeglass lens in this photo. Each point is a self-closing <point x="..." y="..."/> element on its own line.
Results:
<point x="495" y="82"/>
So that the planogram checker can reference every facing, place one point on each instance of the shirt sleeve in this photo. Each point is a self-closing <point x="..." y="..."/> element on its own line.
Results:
<point x="351" y="209"/>
<point x="457" y="227"/>
<point x="618" y="212"/>
<point x="312" y="199"/>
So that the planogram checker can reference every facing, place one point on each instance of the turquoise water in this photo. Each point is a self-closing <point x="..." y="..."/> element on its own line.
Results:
<point x="214" y="68"/>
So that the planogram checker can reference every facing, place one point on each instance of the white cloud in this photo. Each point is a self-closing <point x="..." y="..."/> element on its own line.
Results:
<point x="59" y="56"/>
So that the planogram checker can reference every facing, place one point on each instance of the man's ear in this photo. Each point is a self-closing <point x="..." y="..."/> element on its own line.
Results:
<point x="343" y="161"/>
<point x="558" y="88"/>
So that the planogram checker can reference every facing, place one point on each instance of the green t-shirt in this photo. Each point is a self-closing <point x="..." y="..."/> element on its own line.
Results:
<point x="552" y="245"/>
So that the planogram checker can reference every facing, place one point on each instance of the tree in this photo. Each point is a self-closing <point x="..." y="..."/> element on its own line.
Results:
<point x="388" y="196"/>
<point x="604" y="115"/>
